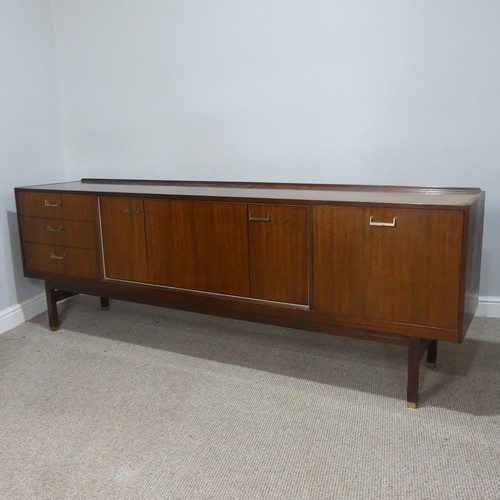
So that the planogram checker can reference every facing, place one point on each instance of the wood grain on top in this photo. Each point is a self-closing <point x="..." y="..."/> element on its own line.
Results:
<point x="256" y="192"/>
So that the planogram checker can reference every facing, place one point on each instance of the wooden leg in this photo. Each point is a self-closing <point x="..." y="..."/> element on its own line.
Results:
<point x="104" y="303"/>
<point x="51" y="295"/>
<point x="414" y="355"/>
<point x="432" y="354"/>
<point x="416" y="349"/>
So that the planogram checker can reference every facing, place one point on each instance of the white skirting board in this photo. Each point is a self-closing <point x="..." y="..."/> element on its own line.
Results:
<point x="19" y="313"/>
<point x="489" y="307"/>
<point x="15" y="315"/>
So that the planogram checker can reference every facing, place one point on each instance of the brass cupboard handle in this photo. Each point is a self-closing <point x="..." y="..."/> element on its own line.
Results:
<point x="383" y="224"/>
<point x="259" y="219"/>
<point x="53" y="255"/>
<point x="51" y="229"/>
<point x="132" y="212"/>
<point x="58" y="203"/>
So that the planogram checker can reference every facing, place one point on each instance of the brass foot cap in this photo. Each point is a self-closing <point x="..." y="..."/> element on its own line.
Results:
<point x="54" y="328"/>
<point x="431" y="365"/>
<point x="412" y="406"/>
<point x="106" y="308"/>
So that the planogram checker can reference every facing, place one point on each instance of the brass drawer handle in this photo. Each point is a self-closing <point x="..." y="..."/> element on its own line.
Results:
<point x="132" y="212"/>
<point x="53" y="255"/>
<point x="259" y="219"/>
<point x="383" y="224"/>
<point x="58" y="203"/>
<point x="51" y="229"/>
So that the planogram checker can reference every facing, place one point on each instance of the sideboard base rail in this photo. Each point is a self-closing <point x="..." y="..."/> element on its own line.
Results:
<point x="417" y="347"/>
<point x="55" y="295"/>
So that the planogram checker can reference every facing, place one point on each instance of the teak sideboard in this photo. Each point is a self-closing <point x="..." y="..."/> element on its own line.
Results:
<point x="392" y="264"/>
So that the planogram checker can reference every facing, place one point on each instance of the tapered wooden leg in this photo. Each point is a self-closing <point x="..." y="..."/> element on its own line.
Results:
<point x="414" y="355"/>
<point x="104" y="303"/>
<point x="51" y="295"/>
<point x="432" y="354"/>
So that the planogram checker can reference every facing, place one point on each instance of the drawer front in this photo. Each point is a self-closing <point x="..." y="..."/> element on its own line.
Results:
<point x="70" y="233"/>
<point x="67" y="261"/>
<point x="55" y="205"/>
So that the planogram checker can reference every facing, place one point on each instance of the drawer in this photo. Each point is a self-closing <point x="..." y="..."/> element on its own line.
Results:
<point x="68" y="261"/>
<point x="56" y="205"/>
<point x="70" y="233"/>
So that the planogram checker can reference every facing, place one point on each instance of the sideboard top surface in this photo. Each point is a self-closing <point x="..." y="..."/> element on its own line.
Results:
<point x="254" y="191"/>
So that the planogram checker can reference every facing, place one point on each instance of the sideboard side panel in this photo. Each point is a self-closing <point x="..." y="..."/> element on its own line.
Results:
<point x="473" y="232"/>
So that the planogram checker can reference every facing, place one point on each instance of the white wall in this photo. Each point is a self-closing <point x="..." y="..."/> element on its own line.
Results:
<point x="351" y="91"/>
<point x="30" y="138"/>
<point x="348" y="91"/>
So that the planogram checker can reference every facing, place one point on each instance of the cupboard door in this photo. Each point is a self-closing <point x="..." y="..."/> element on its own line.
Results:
<point x="198" y="245"/>
<point x="390" y="264"/>
<point x="124" y="239"/>
<point x="279" y="257"/>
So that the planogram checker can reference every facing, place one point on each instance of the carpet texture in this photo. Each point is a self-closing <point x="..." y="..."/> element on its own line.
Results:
<point x="147" y="403"/>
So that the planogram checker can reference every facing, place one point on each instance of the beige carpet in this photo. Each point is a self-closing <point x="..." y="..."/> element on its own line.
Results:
<point x="148" y="403"/>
